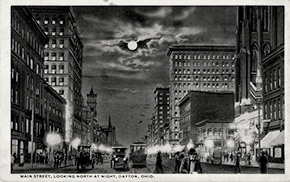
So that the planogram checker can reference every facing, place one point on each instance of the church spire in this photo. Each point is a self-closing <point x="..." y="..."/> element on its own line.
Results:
<point x="92" y="91"/>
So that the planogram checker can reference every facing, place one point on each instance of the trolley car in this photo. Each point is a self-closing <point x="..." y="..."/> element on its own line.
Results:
<point x="138" y="154"/>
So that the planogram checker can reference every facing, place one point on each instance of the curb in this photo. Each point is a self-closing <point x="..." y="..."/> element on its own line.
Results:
<point x="42" y="168"/>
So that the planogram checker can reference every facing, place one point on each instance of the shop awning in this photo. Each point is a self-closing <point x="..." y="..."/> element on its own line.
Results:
<point x="279" y="140"/>
<point x="267" y="140"/>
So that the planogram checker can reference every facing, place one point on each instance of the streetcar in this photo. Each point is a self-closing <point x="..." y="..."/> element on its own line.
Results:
<point x="84" y="157"/>
<point x="138" y="154"/>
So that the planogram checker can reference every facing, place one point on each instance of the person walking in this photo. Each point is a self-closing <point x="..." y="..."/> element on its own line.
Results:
<point x="158" y="165"/>
<point x="177" y="162"/>
<point x="184" y="166"/>
<point x="263" y="163"/>
<point x="21" y="164"/>
<point x="238" y="163"/>
<point x="232" y="157"/>
<point x="249" y="158"/>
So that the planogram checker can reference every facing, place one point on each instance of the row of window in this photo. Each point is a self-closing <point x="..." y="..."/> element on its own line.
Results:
<point x="54" y="69"/>
<point x="55" y="44"/>
<point x="214" y="131"/>
<point x="204" y="64"/>
<point x="26" y="35"/>
<point x="50" y="20"/>
<point x="204" y="71"/>
<point x="203" y="56"/>
<point x="204" y="78"/>
<point x="53" y="31"/>
<point x="53" y="56"/>
<point x="53" y="81"/>
<point x="30" y="61"/>
<point x="273" y="109"/>
<point x="272" y="80"/>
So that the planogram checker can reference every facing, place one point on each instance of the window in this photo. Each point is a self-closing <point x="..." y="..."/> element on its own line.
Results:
<point x="61" y="68"/>
<point x="53" y="69"/>
<point x="53" y="21"/>
<point x="61" y="81"/>
<point x="265" y="18"/>
<point x="46" y="67"/>
<point x="209" y="132"/>
<point x="279" y="77"/>
<point x="46" y="56"/>
<point x="53" y="31"/>
<point x="254" y="19"/>
<point x="37" y="68"/>
<point x="46" y="20"/>
<point x="265" y="111"/>
<point x="32" y="83"/>
<point x="61" y="31"/>
<point x="53" y="81"/>
<point x="215" y="132"/>
<point x="53" y="45"/>
<point x="61" y="21"/>
<point x="275" y="79"/>
<point x="31" y="63"/>
<point x="61" y="92"/>
<point x="46" y="30"/>
<point x="53" y="56"/>
<point x="61" y="43"/>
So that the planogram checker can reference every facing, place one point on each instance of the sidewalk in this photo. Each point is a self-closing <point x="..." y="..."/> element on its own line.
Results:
<point x="39" y="166"/>
<point x="253" y="164"/>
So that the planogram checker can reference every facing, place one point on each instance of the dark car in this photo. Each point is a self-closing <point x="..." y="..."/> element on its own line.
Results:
<point x="119" y="159"/>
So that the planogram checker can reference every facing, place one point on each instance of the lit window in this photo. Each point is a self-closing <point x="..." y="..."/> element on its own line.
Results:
<point x="53" y="32"/>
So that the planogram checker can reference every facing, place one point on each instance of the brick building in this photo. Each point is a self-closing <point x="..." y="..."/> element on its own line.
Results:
<point x="161" y="114"/>
<point x="35" y="106"/>
<point x="200" y="105"/>
<point x="63" y="62"/>
<point x="197" y="67"/>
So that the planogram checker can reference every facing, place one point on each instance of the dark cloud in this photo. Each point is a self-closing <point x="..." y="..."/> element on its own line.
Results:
<point x="125" y="80"/>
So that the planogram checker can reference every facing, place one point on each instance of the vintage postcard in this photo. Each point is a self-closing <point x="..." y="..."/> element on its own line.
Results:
<point x="144" y="91"/>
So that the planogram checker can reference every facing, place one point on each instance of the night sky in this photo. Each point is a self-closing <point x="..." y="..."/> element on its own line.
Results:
<point x="124" y="79"/>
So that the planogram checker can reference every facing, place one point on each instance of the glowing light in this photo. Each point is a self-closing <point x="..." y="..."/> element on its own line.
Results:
<point x="230" y="143"/>
<point x="132" y="45"/>
<point x="75" y="143"/>
<point x="208" y="143"/>
<point x="53" y="139"/>
<point x="104" y="148"/>
<point x="190" y="144"/>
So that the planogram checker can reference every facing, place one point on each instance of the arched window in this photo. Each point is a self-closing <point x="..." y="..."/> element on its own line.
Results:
<point x="266" y="50"/>
<point x="215" y="132"/>
<point x="209" y="132"/>
<point x="220" y="131"/>
<point x="254" y="64"/>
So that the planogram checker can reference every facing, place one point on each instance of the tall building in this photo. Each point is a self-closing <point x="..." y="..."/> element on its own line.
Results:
<point x="161" y="114"/>
<point x="63" y="61"/>
<point x="92" y="116"/>
<point x="196" y="106"/>
<point x="36" y="108"/>
<point x="107" y="134"/>
<point x="197" y="67"/>
<point x="260" y="80"/>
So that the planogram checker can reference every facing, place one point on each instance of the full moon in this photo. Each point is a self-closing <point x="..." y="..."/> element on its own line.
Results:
<point x="132" y="45"/>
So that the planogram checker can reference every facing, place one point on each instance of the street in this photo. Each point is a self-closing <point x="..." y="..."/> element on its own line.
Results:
<point x="168" y="166"/>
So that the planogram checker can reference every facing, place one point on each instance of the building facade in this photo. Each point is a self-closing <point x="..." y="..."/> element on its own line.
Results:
<point x="35" y="106"/>
<point x="197" y="67"/>
<point x="63" y="61"/>
<point x="260" y="80"/>
<point x="161" y="114"/>
<point x="200" y="105"/>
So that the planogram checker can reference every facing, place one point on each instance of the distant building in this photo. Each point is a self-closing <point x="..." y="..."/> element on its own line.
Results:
<point x="35" y="106"/>
<point x="161" y="114"/>
<point x="63" y="56"/>
<point x="260" y="79"/>
<point x="197" y="106"/>
<point x="198" y="67"/>
<point x="107" y="134"/>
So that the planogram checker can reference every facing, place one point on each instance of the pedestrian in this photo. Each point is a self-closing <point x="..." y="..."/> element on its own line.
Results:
<point x="184" y="166"/>
<point x="238" y="163"/>
<point x="21" y="164"/>
<point x="177" y="162"/>
<point x="263" y="163"/>
<point x="77" y="158"/>
<point x="197" y="166"/>
<point x="12" y="161"/>
<point x="158" y="165"/>
<point x="232" y="157"/>
<point x="249" y="158"/>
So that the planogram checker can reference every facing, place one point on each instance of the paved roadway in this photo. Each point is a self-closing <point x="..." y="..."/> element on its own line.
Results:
<point x="168" y="166"/>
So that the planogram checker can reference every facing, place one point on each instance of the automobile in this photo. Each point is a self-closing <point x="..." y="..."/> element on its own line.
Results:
<point x="216" y="157"/>
<point x="119" y="158"/>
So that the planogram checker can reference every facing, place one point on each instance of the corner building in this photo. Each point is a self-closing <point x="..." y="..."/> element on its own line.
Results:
<point x="200" y="68"/>
<point x="36" y="108"/>
<point x="63" y="62"/>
